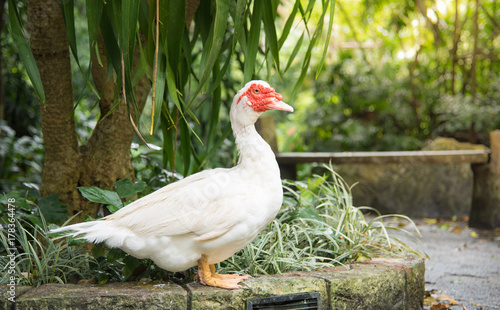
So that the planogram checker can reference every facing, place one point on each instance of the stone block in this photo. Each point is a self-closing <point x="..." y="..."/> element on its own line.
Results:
<point x="208" y="298"/>
<point x="133" y="295"/>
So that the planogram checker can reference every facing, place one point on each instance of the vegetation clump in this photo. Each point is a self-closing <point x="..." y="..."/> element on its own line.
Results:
<point x="317" y="227"/>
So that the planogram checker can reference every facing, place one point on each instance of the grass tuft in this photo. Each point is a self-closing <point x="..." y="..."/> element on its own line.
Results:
<point x="39" y="259"/>
<point x="318" y="227"/>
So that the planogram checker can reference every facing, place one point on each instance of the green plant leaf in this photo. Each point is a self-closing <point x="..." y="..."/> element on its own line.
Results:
<point x="238" y="21"/>
<point x="94" y="13"/>
<point x="270" y="30"/>
<point x="104" y="196"/>
<point x="185" y="146"/>
<point x="306" y="213"/>
<point x="131" y="264"/>
<point x="13" y="198"/>
<point x="288" y="25"/>
<point x="113" y="54"/>
<point x="295" y="51"/>
<point x="328" y="36"/>
<point x="253" y="41"/>
<point x="68" y="7"/>
<point x="175" y="25"/>
<point x="24" y="51"/>
<point x="52" y="209"/>
<point x="129" y="23"/>
<point x="126" y="188"/>
<point x="215" y="44"/>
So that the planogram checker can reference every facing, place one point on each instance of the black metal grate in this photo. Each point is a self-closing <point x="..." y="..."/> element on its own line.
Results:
<point x="303" y="301"/>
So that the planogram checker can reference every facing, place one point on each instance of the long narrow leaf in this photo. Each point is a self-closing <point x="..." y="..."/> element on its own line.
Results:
<point x="175" y="30"/>
<point x="24" y="51"/>
<point x="159" y="91"/>
<point x="295" y="51"/>
<point x="129" y="23"/>
<point x="270" y="30"/>
<point x="288" y="25"/>
<point x="238" y="21"/>
<point x="94" y="13"/>
<point x="328" y="36"/>
<point x="167" y="129"/>
<point x="253" y="40"/>
<point x="185" y="147"/>
<point x="220" y="25"/>
<point x="69" y="22"/>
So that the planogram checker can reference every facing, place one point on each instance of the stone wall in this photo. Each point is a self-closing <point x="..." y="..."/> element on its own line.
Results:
<point x="382" y="283"/>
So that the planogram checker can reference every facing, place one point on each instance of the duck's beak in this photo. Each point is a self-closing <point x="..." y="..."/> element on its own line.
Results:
<point x="277" y="104"/>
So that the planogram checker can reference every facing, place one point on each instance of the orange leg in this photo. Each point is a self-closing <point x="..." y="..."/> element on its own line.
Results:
<point x="206" y="275"/>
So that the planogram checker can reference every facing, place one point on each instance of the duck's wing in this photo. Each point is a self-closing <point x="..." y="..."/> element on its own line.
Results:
<point x="205" y="204"/>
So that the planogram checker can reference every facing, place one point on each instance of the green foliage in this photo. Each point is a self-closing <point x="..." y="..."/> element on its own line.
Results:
<point x="458" y="115"/>
<point x="317" y="227"/>
<point x="194" y="68"/>
<point x="401" y="73"/>
<point x="37" y="258"/>
<point x="114" y="264"/>
<point x="20" y="159"/>
<point x="53" y="209"/>
<point x="24" y="50"/>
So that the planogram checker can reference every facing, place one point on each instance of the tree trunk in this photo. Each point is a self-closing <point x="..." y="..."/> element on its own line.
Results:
<point x="50" y="49"/>
<point x="106" y="157"/>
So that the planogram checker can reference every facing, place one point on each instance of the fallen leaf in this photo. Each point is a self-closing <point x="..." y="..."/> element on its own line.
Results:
<point x="430" y="221"/>
<point x="429" y="301"/>
<point x="457" y="230"/>
<point x="439" y="306"/>
<point x="445" y="297"/>
<point x="474" y="234"/>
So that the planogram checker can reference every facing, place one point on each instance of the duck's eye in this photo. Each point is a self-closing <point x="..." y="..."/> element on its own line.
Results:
<point x="256" y="90"/>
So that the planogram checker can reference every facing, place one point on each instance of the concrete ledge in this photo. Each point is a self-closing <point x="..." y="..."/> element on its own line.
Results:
<point x="382" y="283"/>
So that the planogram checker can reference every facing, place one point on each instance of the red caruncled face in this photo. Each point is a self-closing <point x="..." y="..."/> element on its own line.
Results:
<point x="259" y="97"/>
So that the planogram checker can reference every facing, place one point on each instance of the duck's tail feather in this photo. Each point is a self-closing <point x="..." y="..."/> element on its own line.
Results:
<point x="95" y="232"/>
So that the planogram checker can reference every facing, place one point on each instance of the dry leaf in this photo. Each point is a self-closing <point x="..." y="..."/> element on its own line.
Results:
<point x="474" y="234"/>
<point x="429" y="301"/>
<point x="457" y="230"/>
<point x="439" y="306"/>
<point x="445" y="297"/>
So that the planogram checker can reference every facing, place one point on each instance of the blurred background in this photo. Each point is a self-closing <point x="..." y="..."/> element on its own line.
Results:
<point x="395" y="75"/>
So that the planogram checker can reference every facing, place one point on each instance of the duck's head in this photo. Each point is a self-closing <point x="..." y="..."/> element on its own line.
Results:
<point x="252" y="100"/>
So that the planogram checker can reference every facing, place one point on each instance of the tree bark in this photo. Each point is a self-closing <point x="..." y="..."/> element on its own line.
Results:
<point x="50" y="50"/>
<point x="106" y="157"/>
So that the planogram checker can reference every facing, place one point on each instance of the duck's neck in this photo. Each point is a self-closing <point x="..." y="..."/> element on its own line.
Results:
<point x="253" y="150"/>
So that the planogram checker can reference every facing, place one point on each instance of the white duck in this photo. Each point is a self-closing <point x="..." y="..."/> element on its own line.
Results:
<point x="205" y="218"/>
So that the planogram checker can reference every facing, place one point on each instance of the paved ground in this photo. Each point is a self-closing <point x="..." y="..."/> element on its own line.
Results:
<point x="464" y="265"/>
